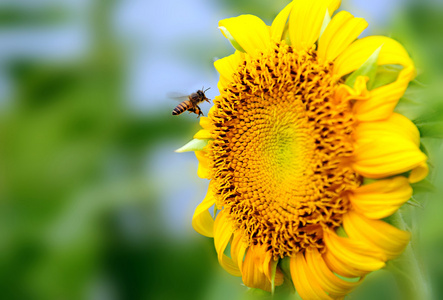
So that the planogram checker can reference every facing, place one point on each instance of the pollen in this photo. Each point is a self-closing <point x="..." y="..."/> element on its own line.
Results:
<point x="281" y="150"/>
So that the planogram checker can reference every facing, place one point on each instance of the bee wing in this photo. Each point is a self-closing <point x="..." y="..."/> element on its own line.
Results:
<point x="177" y="96"/>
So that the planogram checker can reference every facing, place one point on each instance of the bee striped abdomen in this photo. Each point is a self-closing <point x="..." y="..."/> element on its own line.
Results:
<point x="181" y="108"/>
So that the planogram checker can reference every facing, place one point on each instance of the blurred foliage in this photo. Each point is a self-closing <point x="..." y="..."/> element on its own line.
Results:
<point x="419" y="28"/>
<point x="13" y="15"/>
<point x="80" y="216"/>
<point x="72" y="172"/>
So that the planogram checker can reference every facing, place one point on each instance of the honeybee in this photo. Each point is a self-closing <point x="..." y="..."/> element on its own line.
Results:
<point x="192" y="103"/>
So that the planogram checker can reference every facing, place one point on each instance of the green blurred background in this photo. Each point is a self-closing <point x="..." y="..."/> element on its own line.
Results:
<point x="94" y="203"/>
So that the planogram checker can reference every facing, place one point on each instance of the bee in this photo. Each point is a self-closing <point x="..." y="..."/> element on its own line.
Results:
<point x="192" y="103"/>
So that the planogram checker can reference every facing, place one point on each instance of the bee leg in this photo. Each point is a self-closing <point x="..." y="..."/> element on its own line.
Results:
<point x="200" y="112"/>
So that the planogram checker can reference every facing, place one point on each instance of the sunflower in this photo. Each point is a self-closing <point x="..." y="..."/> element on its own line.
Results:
<point x="305" y="155"/>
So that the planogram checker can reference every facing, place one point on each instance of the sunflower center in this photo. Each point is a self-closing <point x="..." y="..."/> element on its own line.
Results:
<point x="281" y="151"/>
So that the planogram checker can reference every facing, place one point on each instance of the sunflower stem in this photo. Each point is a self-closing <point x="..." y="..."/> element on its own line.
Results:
<point x="407" y="269"/>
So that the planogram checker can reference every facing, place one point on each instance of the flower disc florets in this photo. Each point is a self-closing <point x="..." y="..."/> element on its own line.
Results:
<point x="281" y="149"/>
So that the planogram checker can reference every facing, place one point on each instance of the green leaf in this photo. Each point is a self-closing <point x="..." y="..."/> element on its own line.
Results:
<point x="434" y="152"/>
<point x="411" y="105"/>
<point x="414" y="203"/>
<point x="231" y="39"/>
<point x="194" y="145"/>
<point x="287" y="287"/>
<point x="424" y="149"/>
<point x="432" y="128"/>
<point x="368" y="68"/>
<point x="386" y="74"/>
<point x="430" y="123"/>
<point x="284" y="264"/>
<point x="424" y="186"/>
<point x="325" y="23"/>
<point x="341" y="232"/>
<point x="256" y="293"/>
<point x="368" y="181"/>
<point x="274" y="270"/>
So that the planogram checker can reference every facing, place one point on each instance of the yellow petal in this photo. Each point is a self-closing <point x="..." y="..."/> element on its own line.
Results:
<point x="390" y="240"/>
<point x="223" y="231"/>
<point x="352" y="253"/>
<point x="396" y="124"/>
<point x="387" y="155"/>
<point x="205" y="123"/>
<point x="333" y="6"/>
<point x="238" y="249"/>
<point x="382" y="100"/>
<point x="359" y="92"/>
<point x="203" y="134"/>
<point x="249" y="31"/>
<point x="358" y="52"/>
<point x="213" y="109"/>
<point x="382" y="198"/>
<point x="252" y="277"/>
<point x="393" y="139"/>
<point x="328" y="281"/>
<point x="340" y="33"/>
<point x="305" y="22"/>
<point x="280" y="22"/>
<point x="341" y="268"/>
<point x="304" y="280"/>
<point x="204" y="170"/>
<point x="264" y="260"/>
<point x="202" y="221"/>
<point x="227" y="67"/>
<point x="419" y="173"/>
